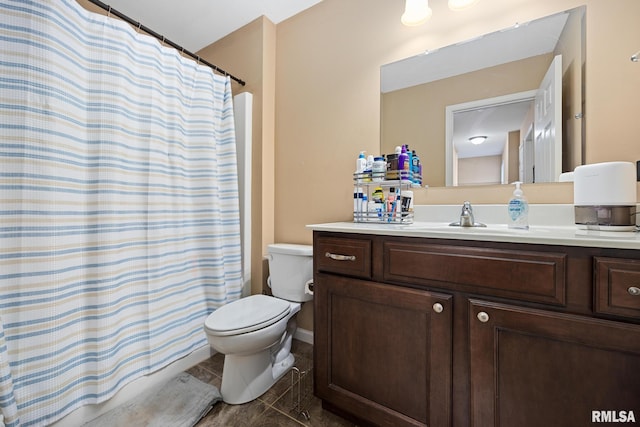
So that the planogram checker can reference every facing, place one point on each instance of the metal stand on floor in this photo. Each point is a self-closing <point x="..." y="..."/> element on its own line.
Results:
<point x="301" y="391"/>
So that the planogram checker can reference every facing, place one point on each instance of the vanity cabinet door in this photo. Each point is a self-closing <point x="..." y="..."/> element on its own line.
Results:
<point x="383" y="353"/>
<point x="537" y="368"/>
<point x="617" y="287"/>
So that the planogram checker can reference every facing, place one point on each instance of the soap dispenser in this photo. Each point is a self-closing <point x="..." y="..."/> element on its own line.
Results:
<point x="518" y="209"/>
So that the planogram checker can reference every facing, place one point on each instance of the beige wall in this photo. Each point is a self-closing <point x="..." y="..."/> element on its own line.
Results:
<point x="479" y="170"/>
<point x="613" y="81"/>
<point x="328" y="102"/>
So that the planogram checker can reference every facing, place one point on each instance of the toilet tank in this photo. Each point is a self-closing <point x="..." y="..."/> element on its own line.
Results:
<point x="290" y="268"/>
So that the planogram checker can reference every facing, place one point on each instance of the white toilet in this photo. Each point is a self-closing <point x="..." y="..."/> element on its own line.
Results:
<point x="255" y="333"/>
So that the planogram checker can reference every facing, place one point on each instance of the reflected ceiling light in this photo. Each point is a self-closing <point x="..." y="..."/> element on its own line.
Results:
<point x="461" y="4"/>
<point x="477" y="140"/>
<point x="416" y="12"/>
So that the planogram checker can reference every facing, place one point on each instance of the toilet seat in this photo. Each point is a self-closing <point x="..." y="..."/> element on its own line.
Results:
<point x="247" y="315"/>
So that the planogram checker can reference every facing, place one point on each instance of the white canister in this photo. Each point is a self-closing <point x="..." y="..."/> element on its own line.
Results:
<point x="379" y="168"/>
<point x="407" y="202"/>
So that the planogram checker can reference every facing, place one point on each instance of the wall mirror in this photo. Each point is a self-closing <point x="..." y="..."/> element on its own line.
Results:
<point x="522" y="88"/>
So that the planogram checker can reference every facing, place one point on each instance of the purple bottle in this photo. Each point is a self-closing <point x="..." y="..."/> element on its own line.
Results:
<point x="403" y="163"/>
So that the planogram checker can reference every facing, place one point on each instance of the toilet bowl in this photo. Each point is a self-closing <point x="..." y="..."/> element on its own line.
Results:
<point x="255" y="333"/>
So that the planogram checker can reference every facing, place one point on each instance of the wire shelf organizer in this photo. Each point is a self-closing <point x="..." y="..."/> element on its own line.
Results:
<point x="383" y="198"/>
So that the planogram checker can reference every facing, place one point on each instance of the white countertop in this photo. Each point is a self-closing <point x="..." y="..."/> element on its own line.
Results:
<point x="536" y="234"/>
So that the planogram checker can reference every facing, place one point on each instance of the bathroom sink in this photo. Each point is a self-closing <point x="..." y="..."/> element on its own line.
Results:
<point x="429" y="225"/>
<point x="446" y="228"/>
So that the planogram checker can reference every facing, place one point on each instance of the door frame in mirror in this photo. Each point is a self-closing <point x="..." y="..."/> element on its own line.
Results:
<point x="451" y="110"/>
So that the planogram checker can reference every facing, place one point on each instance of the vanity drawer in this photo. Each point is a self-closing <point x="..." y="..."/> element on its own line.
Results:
<point x="523" y="275"/>
<point x="617" y="286"/>
<point x="350" y="257"/>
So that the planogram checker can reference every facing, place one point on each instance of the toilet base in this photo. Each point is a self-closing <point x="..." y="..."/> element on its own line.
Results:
<point x="246" y="378"/>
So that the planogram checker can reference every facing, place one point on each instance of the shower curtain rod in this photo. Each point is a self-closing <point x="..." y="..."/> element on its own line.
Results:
<point x="149" y="31"/>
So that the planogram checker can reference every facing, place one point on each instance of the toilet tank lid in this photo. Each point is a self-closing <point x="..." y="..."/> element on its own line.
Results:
<point x="290" y="249"/>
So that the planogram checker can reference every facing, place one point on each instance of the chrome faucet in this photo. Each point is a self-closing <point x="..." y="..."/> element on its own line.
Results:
<point x="466" y="217"/>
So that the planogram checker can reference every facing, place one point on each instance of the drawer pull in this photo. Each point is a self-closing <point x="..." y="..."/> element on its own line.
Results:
<point x="483" y="317"/>
<point x="633" y="290"/>
<point x="339" y="257"/>
<point x="438" y="308"/>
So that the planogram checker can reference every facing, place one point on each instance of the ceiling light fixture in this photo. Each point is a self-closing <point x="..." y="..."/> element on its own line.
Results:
<point x="416" y="12"/>
<point x="461" y="4"/>
<point x="477" y="140"/>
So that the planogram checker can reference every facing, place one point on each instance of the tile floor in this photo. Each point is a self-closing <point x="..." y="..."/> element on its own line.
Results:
<point x="276" y="406"/>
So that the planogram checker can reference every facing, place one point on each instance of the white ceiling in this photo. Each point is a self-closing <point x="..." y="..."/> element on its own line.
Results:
<point x="493" y="122"/>
<point x="195" y="24"/>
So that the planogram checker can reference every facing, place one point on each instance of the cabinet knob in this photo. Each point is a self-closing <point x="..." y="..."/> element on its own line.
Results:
<point x="338" y="257"/>
<point x="634" y="290"/>
<point x="483" y="317"/>
<point x="438" y="308"/>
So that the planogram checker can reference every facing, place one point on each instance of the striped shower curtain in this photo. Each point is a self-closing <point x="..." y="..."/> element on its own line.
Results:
<point x="119" y="222"/>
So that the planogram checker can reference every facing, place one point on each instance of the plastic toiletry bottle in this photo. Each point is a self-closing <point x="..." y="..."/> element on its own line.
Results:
<point x="357" y="204"/>
<point x="518" y="209"/>
<point x="372" y="210"/>
<point x="379" y="168"/>
<point x="368" y="168"/>
<point x="377" y="197"/>
<point x="361" y="163"/>
<point x="392" y="166"/>
<point x="391" y="204"/>
<point x="409" y="167"/>
<point x="398" y="165"/>
<point x="415" y="163"/>
<point x="369" y="162"/>
<point x="364" y="208"/>
<point x="403" y="163"/>
<point x="407" y="203"/>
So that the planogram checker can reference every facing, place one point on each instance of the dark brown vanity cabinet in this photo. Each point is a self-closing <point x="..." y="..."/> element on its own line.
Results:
<point x="382" y="353"/>
<point x="381" y="350"/>
<point x="416" y="331"/>
<point x="538" y="368"/>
